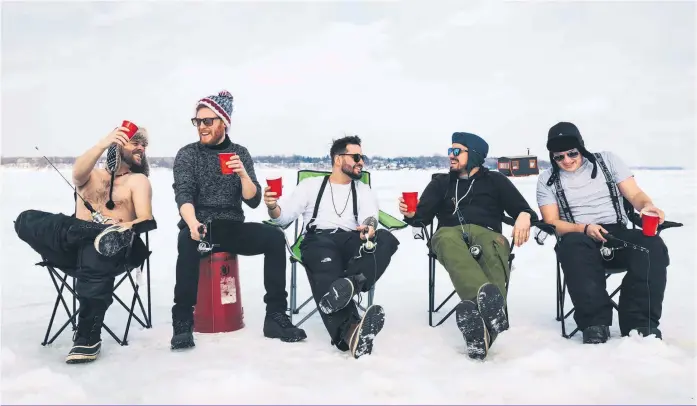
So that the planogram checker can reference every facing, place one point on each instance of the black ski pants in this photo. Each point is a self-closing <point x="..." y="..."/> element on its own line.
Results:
<point x="68" y="243"/>
<point x="236" y="238"/>
<point x="642" y="288"/>
<point x="329" y="256"/>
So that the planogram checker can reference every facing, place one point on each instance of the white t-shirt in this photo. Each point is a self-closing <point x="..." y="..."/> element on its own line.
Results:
<point x="335" y="208"/>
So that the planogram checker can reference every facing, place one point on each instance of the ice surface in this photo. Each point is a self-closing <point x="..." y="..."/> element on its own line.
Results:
<point x="411" y="362"/>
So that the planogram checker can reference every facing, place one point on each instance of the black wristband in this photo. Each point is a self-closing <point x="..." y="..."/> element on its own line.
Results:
<point x="275" y="206"/>
<point x="585" y="229"/>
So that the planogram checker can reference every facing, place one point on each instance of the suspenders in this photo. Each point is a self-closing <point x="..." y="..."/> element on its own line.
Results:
<point x="311" y="228"/>
<point x="612" y="187"/>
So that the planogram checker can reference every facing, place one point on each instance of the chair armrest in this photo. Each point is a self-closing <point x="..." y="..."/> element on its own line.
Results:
<point x="270" y="223"/>
<point x="144" y="226"/>
<point x="545" y="230"/>
<point x="390" y="222"/>
<point x="669" y="224"/>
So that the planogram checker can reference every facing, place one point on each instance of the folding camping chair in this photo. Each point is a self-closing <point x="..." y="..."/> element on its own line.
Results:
<point x="635" y="220"/>
<point x="385" y="220"/>
<point x="426" y="233"/>
<point x="55" y="273"/>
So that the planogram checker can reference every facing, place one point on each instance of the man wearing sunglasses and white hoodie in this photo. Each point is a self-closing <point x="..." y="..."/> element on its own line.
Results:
<point x="581" y="194"/>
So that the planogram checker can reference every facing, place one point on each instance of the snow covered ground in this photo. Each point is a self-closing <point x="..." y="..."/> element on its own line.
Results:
<point x="411" y="362"/>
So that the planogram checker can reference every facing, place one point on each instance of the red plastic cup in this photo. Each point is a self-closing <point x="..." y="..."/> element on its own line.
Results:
<point x="649" y="224"/>
<point x="223" y="157"/>
<point x="410" y="199"/>
<point x="276" y="185"/>
<point x="132" y="128"/>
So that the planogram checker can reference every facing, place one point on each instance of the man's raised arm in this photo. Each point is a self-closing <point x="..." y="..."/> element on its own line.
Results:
<point x="85" y="162"/>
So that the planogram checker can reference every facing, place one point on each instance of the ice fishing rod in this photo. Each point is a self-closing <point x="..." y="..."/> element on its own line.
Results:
<point x="96" y="216"/>
<point x="608" y="252"/>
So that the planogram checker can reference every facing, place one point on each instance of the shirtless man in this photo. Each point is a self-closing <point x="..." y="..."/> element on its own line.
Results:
<point x="98" y="248"/>
<point x="131" y="192"/>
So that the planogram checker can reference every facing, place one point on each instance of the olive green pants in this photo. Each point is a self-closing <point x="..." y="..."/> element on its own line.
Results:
<point x="466" y="273"/>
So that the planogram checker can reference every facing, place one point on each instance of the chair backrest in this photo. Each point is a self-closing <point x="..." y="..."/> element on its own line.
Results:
<point x="309" y="173"/>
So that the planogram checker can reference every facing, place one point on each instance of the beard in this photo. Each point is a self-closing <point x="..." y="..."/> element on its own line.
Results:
<point x="135" y="167"/>
<point x="348" y="170"/>
<point x="457" y="167"/>
<point x="216" y="136"/>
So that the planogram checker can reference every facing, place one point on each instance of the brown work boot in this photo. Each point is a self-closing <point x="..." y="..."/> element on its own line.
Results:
<point x="361" y="335"/>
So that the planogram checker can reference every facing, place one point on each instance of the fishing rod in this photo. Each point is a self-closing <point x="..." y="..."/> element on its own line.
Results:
<point x="96" y="216"/>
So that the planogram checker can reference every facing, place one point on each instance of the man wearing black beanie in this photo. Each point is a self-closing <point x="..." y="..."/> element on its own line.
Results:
<point x="585" y="206"/>
<point x="469" y="203"/>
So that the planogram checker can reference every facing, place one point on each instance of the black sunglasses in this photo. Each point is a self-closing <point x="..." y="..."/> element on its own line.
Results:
<point x="456" y="151"/>
<point x="208" y="121"/>
<point x="570" y="154"/>
<point x="356" y="157"/>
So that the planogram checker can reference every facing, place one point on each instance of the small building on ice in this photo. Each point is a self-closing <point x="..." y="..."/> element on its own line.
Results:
<point x="523" y="165"/>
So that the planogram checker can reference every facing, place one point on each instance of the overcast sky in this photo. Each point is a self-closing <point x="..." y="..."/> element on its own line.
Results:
<point x="403" y="76"/>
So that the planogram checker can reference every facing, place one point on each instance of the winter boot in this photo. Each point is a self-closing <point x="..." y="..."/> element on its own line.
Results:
<point x="492" y="307"/>
<point x="87" y="341"/>
<point x="339" y="296"/>
<point x="473" y="328"/>
<point x="113" y="240"/>
<point x="645" y="332"/>
<point x="596" y="334"/>
<point x="362" y="335"/>
<point x="183" y="329"/>
<point x="278" y="325"/>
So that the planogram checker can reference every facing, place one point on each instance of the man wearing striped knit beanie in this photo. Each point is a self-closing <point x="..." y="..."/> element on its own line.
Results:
<point x="211" y="200"/>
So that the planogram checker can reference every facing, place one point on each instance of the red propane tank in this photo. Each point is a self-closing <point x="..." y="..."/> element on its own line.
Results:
<point x="219" y="304"/>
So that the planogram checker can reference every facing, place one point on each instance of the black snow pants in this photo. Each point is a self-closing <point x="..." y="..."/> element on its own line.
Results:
<point x="642" y="288"/>
<point x="329" y="256"/>
<point x="68" y="243"/>
<point x="236" y="238"/>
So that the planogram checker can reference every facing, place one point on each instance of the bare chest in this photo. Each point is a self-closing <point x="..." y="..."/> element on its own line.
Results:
<point x="97" y="193"/>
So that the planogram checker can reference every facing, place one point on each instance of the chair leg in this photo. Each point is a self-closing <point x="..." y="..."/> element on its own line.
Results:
<point x="561" y="300"/>
<point x="431" y="290"/>
<point x="124" y="305"/>
<point x="53" y="316"/>
<point x="147" y="264"/>
<point x="59" y="299"/>
<point x="293" y="289"/>
<point x="613" y="295"/>
<point x="131" y="311"/>
<point x="74" y="303"/>
<point x="432" y="295"/>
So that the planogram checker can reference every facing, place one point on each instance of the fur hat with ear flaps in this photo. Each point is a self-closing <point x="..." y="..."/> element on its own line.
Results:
<point x="564" y="136"/>
<point x="113" y="162"/>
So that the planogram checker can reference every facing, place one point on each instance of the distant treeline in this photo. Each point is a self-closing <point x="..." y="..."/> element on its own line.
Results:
<point x="375" y="162"/>
<point x="298" y="161"/>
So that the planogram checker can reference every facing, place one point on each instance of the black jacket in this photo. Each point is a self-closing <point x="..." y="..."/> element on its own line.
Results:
<point x="490" y="195"/>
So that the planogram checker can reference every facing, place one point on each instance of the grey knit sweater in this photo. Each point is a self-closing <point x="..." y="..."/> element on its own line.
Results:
<point x="198" y="180"/>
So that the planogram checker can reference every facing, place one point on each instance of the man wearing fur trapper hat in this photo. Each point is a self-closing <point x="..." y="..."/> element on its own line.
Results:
<point x="469" y="203"/>
<point x="209" y="196"/>
<point x="581" y="194"/>
<point x="119" y="197"/>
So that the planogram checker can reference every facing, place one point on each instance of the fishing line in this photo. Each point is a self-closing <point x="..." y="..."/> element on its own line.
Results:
<point x="96" y="215"/>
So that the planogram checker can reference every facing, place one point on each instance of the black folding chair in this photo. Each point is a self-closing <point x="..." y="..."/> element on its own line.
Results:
<point x="63" y="274"/>
<point x="635" y="219"/>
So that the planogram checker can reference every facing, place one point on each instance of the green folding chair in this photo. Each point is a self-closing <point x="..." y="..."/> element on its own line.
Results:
<point x="385" y="220"/>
